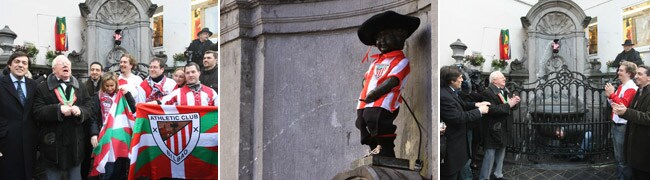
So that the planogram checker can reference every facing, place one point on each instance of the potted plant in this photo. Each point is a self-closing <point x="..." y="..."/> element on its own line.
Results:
<point x="610" y="66"/>
<point x="50" y="55"/>
<point x="29" y="48"/>
<point x="179" y="58"/>
<point x="499" y="64"/>
<point x="474" y="60"/>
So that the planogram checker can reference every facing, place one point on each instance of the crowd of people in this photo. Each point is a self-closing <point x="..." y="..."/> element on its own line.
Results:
<point x="60" y="116"/>
<point x="627" y="100"/>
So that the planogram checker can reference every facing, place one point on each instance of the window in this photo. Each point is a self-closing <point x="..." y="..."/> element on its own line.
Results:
<point x="158" y="27"/>
<point x="592" y="35"/>
<point x="205" y="13"/>
<point x="636" y="23"/>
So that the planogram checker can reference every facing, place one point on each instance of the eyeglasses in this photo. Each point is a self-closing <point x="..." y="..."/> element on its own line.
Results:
<point x="63" y="64"/>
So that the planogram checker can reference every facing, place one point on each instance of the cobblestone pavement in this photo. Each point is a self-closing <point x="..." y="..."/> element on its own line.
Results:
<point x="553" y="172"/>
<point x="556" y="170"/>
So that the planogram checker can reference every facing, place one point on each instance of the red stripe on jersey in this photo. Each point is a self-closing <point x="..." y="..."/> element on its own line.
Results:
<point x="147" y="89"/>
<point x="197" y="98"/>
<point x="210" y="92"/>
<point x="184" y="91"/>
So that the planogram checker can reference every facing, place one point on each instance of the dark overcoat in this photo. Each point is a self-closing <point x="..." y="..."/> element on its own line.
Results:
<point x="61" y="139"/>
<point x="455" y="113"/>
<point x="637" y="148"/>
<point x="495" y="124"/>
<point x="16" y="131"/>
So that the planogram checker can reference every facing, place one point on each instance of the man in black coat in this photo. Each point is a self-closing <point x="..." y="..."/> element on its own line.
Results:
<point x="198" y="46"/>
<point x="628" y="54"/>
<point x="637" y="149"/>
<point x="17" y="147"/>
<point x="456" y="113"/>
<point x="92" y="86"/>
<point x="61" y="106"/>
<point x="494" y="129"/>
<point x="210" y="73"/>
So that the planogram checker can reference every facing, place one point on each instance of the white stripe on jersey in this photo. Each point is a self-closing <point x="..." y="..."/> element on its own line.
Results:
<point x="190" y="98"/>
<point x="399" y="67"/>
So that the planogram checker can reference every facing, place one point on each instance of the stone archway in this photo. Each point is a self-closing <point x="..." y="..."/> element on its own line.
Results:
<point x="104" y="17"/>
<point x="555" y="19"/>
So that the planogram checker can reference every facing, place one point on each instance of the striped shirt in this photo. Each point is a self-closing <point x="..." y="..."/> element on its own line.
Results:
<point x="186" y="97"/>
<point x="130" y="84"/>
<point x="147" y="87"/>
<point x="385" y="66"/>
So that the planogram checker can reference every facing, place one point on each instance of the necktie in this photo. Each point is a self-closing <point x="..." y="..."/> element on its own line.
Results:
<point x="21" y="95"/>
<point x="67" y="90"/>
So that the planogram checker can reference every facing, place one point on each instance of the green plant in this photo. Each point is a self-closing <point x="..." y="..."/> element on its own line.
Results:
<point x="50" y="55"/>
<point x="499" y="64"/>
<point x="474" y="60"/>
<point x="610" y="64"/>
<point x="180" y="57"/>
<point x="28" y="48"/>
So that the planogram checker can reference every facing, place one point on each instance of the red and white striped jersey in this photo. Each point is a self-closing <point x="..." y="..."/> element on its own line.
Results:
<point x="392" y="64"/>
<point x="145" y="89"/>
<point x="130" y="83"/>
<point x="186" y="97"/>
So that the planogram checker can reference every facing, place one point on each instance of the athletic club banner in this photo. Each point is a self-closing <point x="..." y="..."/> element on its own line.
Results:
<point x="175" y="142"/>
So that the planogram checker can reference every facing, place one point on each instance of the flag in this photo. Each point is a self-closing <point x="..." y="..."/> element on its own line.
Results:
<point x="115" y="135"/>
<point x="504" y="45"/>
<point x="60" y="36"/>
<point x="175" y="142"/>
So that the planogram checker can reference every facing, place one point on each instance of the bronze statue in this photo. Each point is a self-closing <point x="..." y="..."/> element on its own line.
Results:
<point x="379" y="101"/>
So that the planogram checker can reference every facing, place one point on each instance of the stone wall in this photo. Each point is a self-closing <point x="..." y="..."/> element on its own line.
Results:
<point x="290" y="76"/>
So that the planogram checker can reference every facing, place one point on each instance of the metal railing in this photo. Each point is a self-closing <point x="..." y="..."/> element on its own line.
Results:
<point x="561" y="114"/>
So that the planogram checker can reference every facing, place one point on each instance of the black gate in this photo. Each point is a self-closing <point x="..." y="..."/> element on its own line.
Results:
<point x="561" y="114"/>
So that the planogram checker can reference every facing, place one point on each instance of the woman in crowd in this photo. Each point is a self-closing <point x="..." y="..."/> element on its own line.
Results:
<point x="179" y="77"/>
<point x="105" y="105"/>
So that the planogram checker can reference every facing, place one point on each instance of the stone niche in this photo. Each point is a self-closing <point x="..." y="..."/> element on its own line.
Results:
<point x="549" y="20"/>
<point x="292" y="72"/>
<point x="104" y="17"/>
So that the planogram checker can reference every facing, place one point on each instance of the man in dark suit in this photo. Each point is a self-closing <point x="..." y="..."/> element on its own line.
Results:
<point x="455" y="113"/>
<point x="61" y="106"/>
<point x="494" y="129"/>
<point x="636" y="146"/>
<point x="17" y="147"/>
